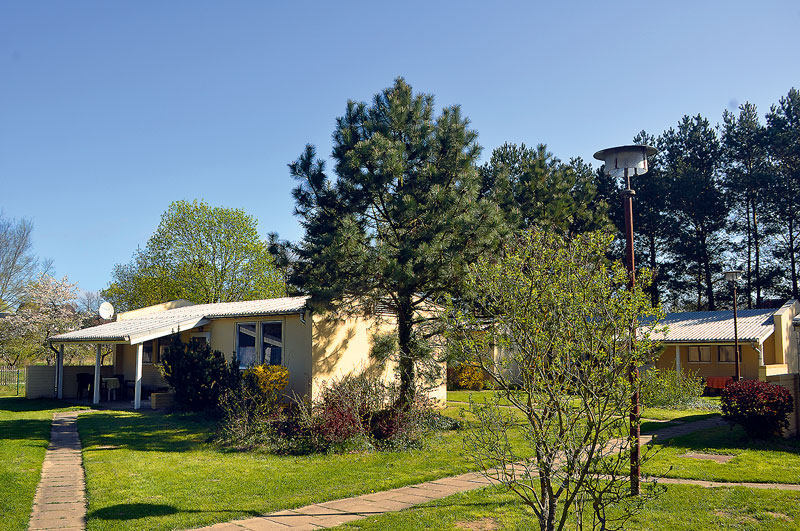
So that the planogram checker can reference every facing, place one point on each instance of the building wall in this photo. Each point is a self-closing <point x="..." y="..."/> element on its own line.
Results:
<point x="785" y="343"/>
<point x="40" y="381"/>
<point x="792" y="383"/>
<point x="296" y="346"/>
<point x="749" y="365"/>
<point x="125" y="364"/>
<point x="341" y="346"/>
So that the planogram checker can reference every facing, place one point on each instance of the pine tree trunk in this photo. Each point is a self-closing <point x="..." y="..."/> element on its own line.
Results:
<point x="406" y="362"/>
<point x="707" y="272"/>
<point x="749" y="256"/>
<point x="758" y="258"/>
<point x="653" y="264"/>
<point x="792" y="258"/>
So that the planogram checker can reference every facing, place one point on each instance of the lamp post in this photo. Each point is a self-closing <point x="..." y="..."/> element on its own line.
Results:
<point x="732" y="276"/>
<point x="621" y="161"/>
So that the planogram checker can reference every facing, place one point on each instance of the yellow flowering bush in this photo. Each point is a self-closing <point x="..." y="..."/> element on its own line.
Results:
<point x="268" y="379"/>
<point x="469" y="376"/>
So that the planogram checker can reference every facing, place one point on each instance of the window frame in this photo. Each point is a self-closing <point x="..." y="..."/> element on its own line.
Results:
<point x="699" y="353"/>
<point x="733" y="354"/>
<point x="236" y="340"/>
<point x="152" y="360"/>
<point x="259" y="340"/>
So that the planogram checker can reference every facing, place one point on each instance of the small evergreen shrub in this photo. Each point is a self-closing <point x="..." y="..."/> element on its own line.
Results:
<point x="670" y="388"/>
<point x="762" y="409"/>
<point x="198" y="375"/>
<point x="469" y="376"/>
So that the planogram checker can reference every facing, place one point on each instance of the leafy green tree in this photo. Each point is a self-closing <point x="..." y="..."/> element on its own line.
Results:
<point x="535" y="189"/>
<point x="746" y="176"/>
<point x="562" y="318"/>
<point x="783" y="133"/>
<point x="690" y="159"/>
<point x="399" y="222"/>
<point x="201" y="253"/>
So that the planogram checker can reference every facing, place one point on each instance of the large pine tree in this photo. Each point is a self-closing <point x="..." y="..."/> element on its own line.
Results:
<point x="400" y="220"/>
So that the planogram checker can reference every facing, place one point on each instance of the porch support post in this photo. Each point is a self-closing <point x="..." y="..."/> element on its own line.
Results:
<point x="60" y="372"/>
<point x="677" y="358"/>
<point x="96" y="398"/>
<point x="137" y="400"/>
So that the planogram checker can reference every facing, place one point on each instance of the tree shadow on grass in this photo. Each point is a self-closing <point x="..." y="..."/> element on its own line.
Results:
<point x="21" y="404"/>
<point x="25" y="429"/>
<point x="133" y="511"/>
<point x="144" y="431"/>
<point x="724" y="438"/>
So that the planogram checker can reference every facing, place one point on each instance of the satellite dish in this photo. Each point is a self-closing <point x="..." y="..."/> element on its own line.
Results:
<point x="106" y="310"/>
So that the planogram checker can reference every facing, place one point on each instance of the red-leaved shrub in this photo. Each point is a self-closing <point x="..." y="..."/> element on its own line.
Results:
<point x="761" y="408"/>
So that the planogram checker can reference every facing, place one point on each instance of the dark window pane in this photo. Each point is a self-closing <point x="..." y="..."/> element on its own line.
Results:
<point x="246" y="344"/>
<point x="272" y="343"/>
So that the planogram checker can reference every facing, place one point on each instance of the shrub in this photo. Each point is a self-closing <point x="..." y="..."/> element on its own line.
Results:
<point x="197" y="374"/>
<point x="469" y="376"/>
<point x="762" y="409"/>
<point x="670" y="388"/>
<point x="251" y="410"/>
<point x="268" y="380"/>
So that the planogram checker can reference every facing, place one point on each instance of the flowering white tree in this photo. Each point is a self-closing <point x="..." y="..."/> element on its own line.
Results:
<point x="47" y="310"/>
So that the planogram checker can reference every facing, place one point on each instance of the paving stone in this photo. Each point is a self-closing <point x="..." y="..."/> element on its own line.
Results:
<point x="359" y="506"/>
<point x="261" y="524"/>
<point x="226" y="526"/>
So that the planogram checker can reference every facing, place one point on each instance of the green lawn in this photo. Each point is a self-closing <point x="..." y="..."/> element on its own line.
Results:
<point x="773" y="461"/>
<point x="24" y="436"/>
<point x="654" y="413"/>
<point x="680" y="508"/>
<point x="151" y="471"/>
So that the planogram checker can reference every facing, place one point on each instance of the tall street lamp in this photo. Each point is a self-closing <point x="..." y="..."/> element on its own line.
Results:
<point x="622" y="161"/>
<point x="732" y="276"/>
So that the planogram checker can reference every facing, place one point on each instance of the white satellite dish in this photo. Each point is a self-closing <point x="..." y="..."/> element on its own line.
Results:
<point x="106" y="310"/>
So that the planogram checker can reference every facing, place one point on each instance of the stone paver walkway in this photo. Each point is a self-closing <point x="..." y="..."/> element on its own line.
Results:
<point x="60" y="501"/>
<point x="337" y="512"/>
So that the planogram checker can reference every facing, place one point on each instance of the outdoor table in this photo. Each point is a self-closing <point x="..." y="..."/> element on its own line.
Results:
<point x="112" y="384"/>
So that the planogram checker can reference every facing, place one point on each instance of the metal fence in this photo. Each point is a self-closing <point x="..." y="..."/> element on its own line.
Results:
<point x="13" y="380"/>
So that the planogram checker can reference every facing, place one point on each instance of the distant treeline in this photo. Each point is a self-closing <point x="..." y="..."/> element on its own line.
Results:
<point x="716" y="198"/>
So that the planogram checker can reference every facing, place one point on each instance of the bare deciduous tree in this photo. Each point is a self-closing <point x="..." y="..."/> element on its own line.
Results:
<point x="551" y="325"/>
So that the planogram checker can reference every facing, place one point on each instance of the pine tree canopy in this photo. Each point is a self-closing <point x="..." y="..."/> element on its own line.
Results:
<point x="401" y="216"/>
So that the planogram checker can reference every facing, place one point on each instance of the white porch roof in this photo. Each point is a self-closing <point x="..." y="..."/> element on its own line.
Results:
<point x="163" y="323"/>
<point x="712" y="327"/>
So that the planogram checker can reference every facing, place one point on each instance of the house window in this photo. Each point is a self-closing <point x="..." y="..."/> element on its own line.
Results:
<point x="147" y="352"/>
<point x="727" y="354"/>
<point x="246" y="345"/>
<point x="272" y="343"/>
<point x="699" y="354"/>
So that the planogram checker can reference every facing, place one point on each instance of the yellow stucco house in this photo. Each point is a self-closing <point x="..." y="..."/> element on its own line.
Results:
<point x="703" y="342"/>
<point x="315" y="347"/>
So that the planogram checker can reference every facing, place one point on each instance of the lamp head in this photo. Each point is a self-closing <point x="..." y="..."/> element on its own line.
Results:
<point x="733" y="275"/>
<point x="618" y="159"/>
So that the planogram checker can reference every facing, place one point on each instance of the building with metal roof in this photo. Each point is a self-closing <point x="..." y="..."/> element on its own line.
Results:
<point x="703" y="342"/>
<point x="316" y="348"/>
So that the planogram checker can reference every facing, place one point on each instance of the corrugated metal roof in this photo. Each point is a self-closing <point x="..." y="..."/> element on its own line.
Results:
<point x="170" y="321"/>
<point x="753" y="325"/>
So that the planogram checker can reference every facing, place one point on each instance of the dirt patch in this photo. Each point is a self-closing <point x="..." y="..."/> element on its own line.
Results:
<point x="484" y="524"/>
<point x="106" y="447"/>
<point x="739" y="518"/>
<point x="780" y="516"/>
<point x="719" y="458"/>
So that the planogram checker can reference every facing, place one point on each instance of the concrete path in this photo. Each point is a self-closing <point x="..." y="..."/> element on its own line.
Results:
<point x="60" y="501"/>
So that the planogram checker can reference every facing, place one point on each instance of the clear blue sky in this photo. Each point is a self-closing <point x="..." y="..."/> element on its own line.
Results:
<point x="109" y="111"/>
